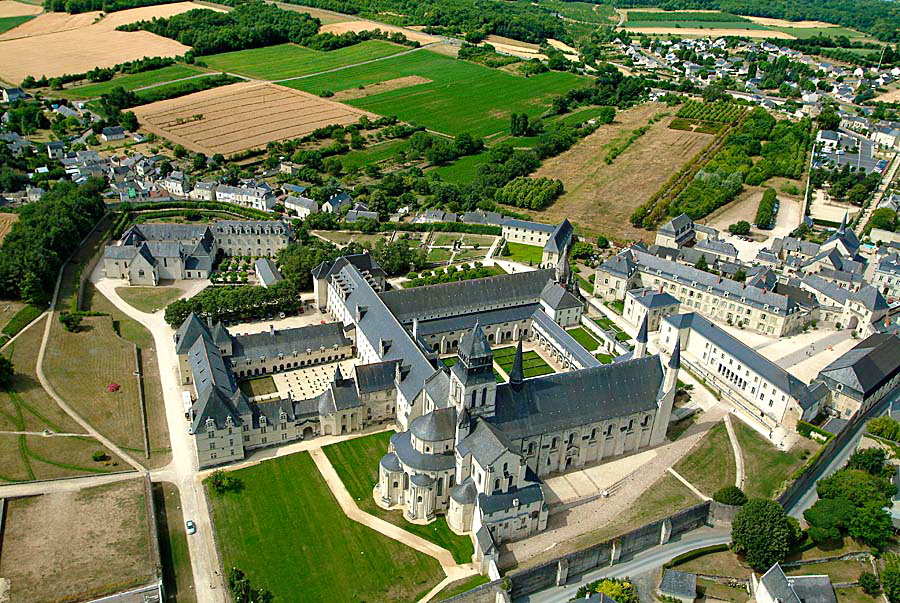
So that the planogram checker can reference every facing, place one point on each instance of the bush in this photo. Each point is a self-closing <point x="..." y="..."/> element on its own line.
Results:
<point x="765" y="212"/>
<point x="100" y="456"/>
<point x="70" y="322"/>
<point x="740" y="228"/>
<point x="221" y="482"/>
<point x="869" y="583"/>
<point x="730" y="495"/>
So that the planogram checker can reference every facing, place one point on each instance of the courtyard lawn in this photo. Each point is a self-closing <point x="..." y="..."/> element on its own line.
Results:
<point x="532" y="363"/>
<point x="604" y="358"/>
<point x="439" y="256"/>
<point x="460" y="96"/>
<point x="356" y="462"/>
<point x="132" y="81"/>
<point x="766" y="467"/>
<point x="584" y="338"/>
<point x="524" y="254"/>
<point x="602" y="322"/>
<point x="149" y="299"/>
<point x="286" y="531"/>
<point x="289" y="60"/>
<point x="261" y="386"/>
<point x="710" y="465"/>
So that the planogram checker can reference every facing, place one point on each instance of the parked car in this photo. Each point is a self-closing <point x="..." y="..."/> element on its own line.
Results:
<point x="191" y="526"/>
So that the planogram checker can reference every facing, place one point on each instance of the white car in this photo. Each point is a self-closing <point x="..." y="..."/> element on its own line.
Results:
<point x="191" y="526"/>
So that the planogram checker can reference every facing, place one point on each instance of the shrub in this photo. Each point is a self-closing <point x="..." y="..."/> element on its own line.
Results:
<point x="869" y="583"/>
<point x="765" y="212"/>
<point x="100" y="456"/>
<point x="70" y="322"/>
<point x="730" y="495"/>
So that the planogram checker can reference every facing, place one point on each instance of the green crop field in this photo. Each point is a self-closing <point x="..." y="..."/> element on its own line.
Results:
<point x="132" y="81"/>
<point x="587" y="12"/>
<point x="678" y="23"/>
<point x="375" y="153"/>
<point x="463" y="169"/>
<point x="288" y="534"/>
<point x="460" y="97"/>
<point x="7" y="23"/>
<point x="290" y="60"/>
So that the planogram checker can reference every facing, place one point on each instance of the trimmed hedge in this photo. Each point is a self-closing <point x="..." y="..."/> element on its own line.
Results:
<point x="765" y="212"/>
<point x="807" y="429"/>
<point x="691" y="555"/>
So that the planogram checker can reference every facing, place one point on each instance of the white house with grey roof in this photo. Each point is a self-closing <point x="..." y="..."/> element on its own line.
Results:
<point x="863" y="376"/>
<point x="554" y="240"/>
<point x="650" y="304"/>
<point x="776" y="587"/>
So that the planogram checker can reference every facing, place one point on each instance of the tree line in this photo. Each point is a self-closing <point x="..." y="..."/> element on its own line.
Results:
<point x="107" y="6"/>
<point x="44" y="236"/>
<point x="99" y="74"/>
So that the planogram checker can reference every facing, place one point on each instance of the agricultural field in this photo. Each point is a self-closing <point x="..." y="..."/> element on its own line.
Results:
<point x="458" y="96"/>
<point x="288" y="553"/>
<point x="8" y="23"/>
<point x="359" y="25"/>
<point x="132" y="81"/>
<point x="242" y="116"/>
<point x="53" y="44"/>
<point x="289" y="60"/>
<point x="601" y="197"/>
<point x="12" y="8"/>
<point x="74" y="546"/>
<point x="6" y="223"/>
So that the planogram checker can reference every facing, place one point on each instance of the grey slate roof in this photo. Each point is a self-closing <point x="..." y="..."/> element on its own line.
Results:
<point x="653" y="298"/>
<point x="414" y="459"/>
<point x="719" y="247"/>
<point x="188" y="332"/>
<point x="485" y="443"/>
<point x="870" y="297"/>
<point x="776" y="584"/>
<point x="375" y="377"/>
<point x="558" y="297"/>
<point x="286" y="341"/>
<point x="362" y="261"/>
<point x="525" y="224"/>
<point x="267" y="271"/>
<point x="119" y="252"/>
<point x="827" y="288"/>
<point x="391" y="462"/>
<point x="746" y="355"/>
<point x="560" y="238"/>
<point x="678" y="584"/>
<point x="676" y="224"/>
<point x="491" y="503"/>
<point x="867" y="366"/>
<point x="436" y="426"/>
<point x="462" y="297"/>
<point x="340" y="395"/>
<point x="467" y="321"/>
<point x="559" y="401"/>
<point x="569" y="343"/>
<point x="813" y="589"/>
<point x="474" y="344"/>
<point x="464" y="493"/>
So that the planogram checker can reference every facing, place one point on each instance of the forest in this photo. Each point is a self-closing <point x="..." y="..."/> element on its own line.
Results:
<point x="43" y="237"/>
<point x="107" y="6"/>
<point x="876" y="17"/>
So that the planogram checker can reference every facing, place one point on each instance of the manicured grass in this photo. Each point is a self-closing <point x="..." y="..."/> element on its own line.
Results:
<point x="288" y="534"/>
<point x="445" y="238"/>
<point x="584" y="338"/>
<point x="461" y="586"/>
<point x="710" y="465"/>
<point x="173" y="547"/>
<point x="439" y="255"/>
<point x="7" y="23"/>
<point x="604" y="358"/>
<point x="356" y="461"/>
<point x="532" y="364"/>
<point x="602" y="322"/>
<point x="132" y="81"/>
<point x="766" y="468"/>
<point x="149" y="299"/>
<point x="524" y="254"/>
<point x="23" y="316"/>
<point x="261" y="386"/>
<point x="461" y="97"/>
<point x="289" y="60"/>
<point x="462" y="170"/>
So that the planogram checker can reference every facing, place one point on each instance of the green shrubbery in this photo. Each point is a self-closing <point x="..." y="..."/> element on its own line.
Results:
<point x="530" y="193"/>
<point x="730" y="495"/>
<point x="765" y="212"/>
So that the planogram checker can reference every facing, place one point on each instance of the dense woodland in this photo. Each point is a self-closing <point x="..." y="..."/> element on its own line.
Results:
<point x="45" y="234"/>
<point x="107" y="6"/>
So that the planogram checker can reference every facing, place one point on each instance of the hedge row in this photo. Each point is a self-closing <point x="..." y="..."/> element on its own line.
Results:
<point x="691" y="555"/>
<point x="765" y="212"/>
<point x="807" y="429"/>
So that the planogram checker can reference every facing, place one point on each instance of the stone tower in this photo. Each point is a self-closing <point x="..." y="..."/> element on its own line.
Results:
<point x="665" y="400"/>
<point x="472" y="383"/>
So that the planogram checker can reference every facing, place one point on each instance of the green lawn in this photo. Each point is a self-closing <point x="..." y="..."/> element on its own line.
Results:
<point x="173" y="547"/>
<point x="373" y="154"/>
<point x="584" y="338"/>
<point x="261" y="386"/>
<point x="765" y="466"/>
<point x="462" y="170"/>
<point x="7" y="23"/>
<point x="461" y="586"/>
<point x="461" y="96"/>
<point x="525" y="254"/>
<point x="149" y="299"/>
<point x="356" y="461"/>
<point x="532" y="364"/>
<point x="288" y="534"/>
<point x="710" y="466"/>
<point x="604" y="358"/>
<point x="289" y="60"/>
<point x="20" y="320"/>
<point x="602" y="322"/>
<point x="439" y="256"/>
<point x="132" y="81"/>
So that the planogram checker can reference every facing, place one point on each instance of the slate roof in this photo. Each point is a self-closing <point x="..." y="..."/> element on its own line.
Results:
<point x="746" y="355"/>
<point x="267" y="271"/>
<point x="436" y="426"/>
<point x="797" y="589"/>
<point x="653" y="298"/>
<point x="375" y="377"/>
<point x="362" y="261"/>
<point x="391" y="462"/>
<point x="485" y="443"/>
<point x="560" y="238"/>
<point x="287" y="341"/>
<point x="867" y="366"/>
<point x="464" y="493"/>
<point x="463" y="297"/>
<point x="414" y="459"/>
<point x="719" y="247"/>
<point x="870" y="297"/>
<point x="303" y="202"/>
<point x="676" y="224"/>
<point x="565" y="340"/>
<point x="474" y="344"/>
<point x="340" y="395"/>
<point x="559" y="401"/>
<point x="827" y="288"/>
<point x="678" y="584"/>
<point x="492" y="503"/>
<point x="119" y="252"/>
<point x="558" y="297"/>
<point x="188" y="332"/>
<point x="467" y="321"/>
<point x="525" y="224"/>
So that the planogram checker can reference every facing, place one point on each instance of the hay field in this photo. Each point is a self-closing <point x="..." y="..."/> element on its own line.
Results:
<point x="6" y="222"/>
<point x="600" y="197"/>
<point x="712" y="32"/>
<point x="523" y="50"/>
<point x="892" y="96"/>
<point x="357" y="26"/>
<point x="242" y="116"/>
<point x="11" y="8"/>
<point x="56" y="43"/>
<point x="784" y="23"/>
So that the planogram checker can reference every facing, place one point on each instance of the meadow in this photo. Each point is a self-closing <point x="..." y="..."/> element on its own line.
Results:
<point x="289" y="60"/>
<point x="132" y="81"/>
<point x="460" y="96"/>
<point x="286" y="531"/>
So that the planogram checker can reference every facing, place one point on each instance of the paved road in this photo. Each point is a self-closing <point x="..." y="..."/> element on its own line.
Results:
<point x="642" y="562"/>
<point x="182" y="470"/>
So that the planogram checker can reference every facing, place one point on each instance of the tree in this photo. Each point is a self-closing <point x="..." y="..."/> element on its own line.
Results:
<point x="70" y="321"/>
<point x="869" y="583"/>
<point x="701" y="263"/>
<point x="872" y="524"/>
<point x="581" y="250"/>
<point x="730" y="495"/>
<point x="884" y="218"/>
<point x="828" y="518"/>
<point x="740" y="228"/>
<point x="622" y="591"/>
<point x="890" y="582"/>
<point x="602" y="242"/>
<point x="858" y="487"/>
<point x="6" y="373"/>
<point x="871" y="460"/>
<point x="129" y="121"/>
<point x="763" y="533"/>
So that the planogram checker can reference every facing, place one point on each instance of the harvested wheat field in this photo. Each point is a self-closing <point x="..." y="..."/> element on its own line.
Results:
<point x="522" y="50"/>
<point x="397" y="83"/>
<point x="599" y="197"/>
<point x="358" y="26"/>
<point x="11" y="8"/>
<point x="242" y="116"/>
<point x="784" y="23"/>
<point x="56" y="43"/>
<point x="888" y="97"/>
<point x="712" y="32"/>
<point x="6" y="222"/>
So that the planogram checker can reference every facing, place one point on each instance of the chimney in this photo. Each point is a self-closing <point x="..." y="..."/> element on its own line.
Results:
<point x="415" y="328"/>
<point x="272" y="330"/>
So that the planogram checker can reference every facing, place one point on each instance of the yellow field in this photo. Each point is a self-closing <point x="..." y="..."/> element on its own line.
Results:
<point x="56" y="43"/>
<point x="6" y="222"/>
<point x="10" y="8"/>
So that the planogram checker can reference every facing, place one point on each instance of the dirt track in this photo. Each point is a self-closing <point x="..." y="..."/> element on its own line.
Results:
<point x="56" y="43"/>
<point x="242" y="116"/>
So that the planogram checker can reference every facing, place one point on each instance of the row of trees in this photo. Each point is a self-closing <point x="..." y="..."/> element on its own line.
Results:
<point x="530" y="193"/>
<point x="43" y="237"/>
<point x="765" y="211"/>
<point x="99" y="74"/>
<point x="107" y="6"/>
<point x="236" y="303"/>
